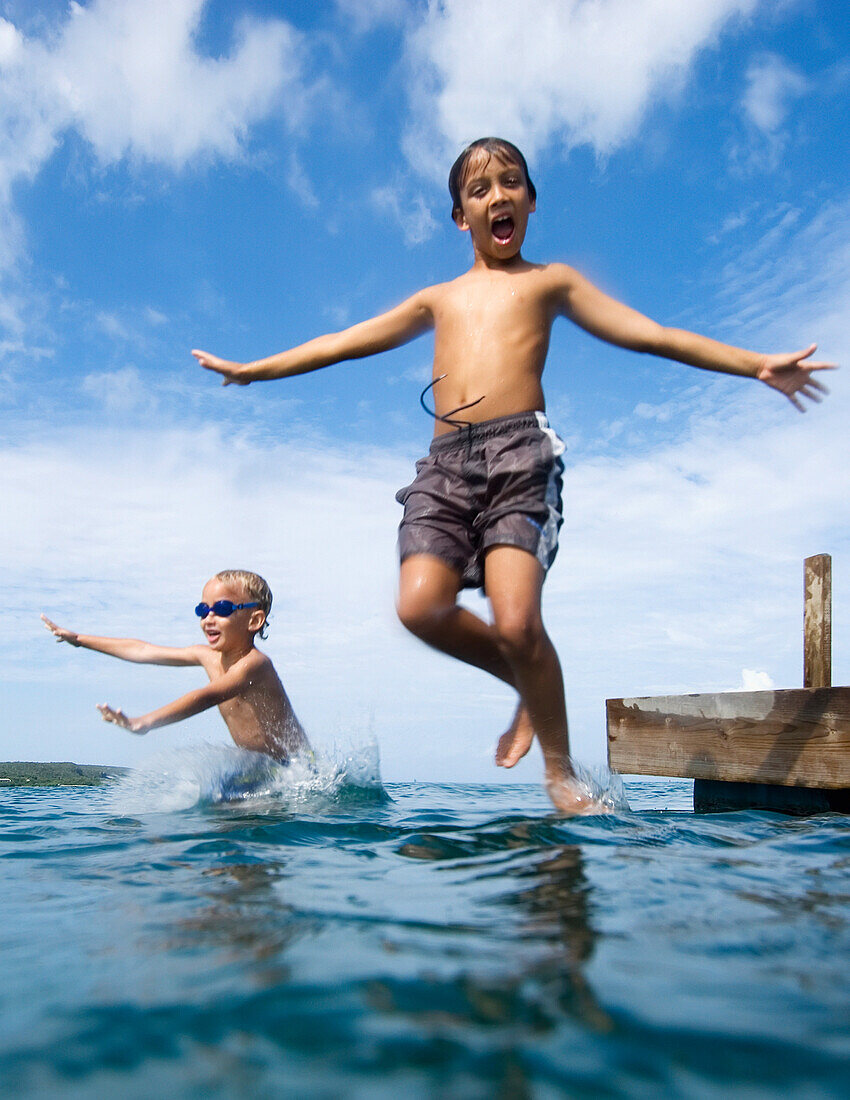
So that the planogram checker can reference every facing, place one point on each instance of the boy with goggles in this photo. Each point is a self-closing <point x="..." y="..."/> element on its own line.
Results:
<point x="485" y="507"/>
<point x="243" y="683"/>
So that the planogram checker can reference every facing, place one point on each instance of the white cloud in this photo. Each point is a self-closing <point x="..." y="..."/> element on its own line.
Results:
<point x="300" y="183"/>
<point x="129" y="324"/>
<point x="771" y="84"/>
<point x="152" y="95"/>
<point x="126" y="74"/>
<point x="753" y="680"/>
<point x="420" y="374"/>
<point x="28" y="118"/>
<point x="120" y="391"/>
<point x="573" y="71"/>
<point x="112" y="325"/>
<point x="365" y="15"/>
<point x="410" y="211"/>
<point x="793" y="281"/>
<point x="733" y="222"/>
<point x="661" y="413"/>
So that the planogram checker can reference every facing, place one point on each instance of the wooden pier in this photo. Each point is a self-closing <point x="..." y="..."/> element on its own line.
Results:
<point x="783" y="750"/>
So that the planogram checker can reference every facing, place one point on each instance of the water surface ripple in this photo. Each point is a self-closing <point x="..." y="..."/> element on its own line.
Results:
<point x="424" y="941"/>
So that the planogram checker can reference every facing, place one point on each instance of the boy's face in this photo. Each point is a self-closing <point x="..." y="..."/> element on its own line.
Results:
<point x="495" y="205"/>
<point x="224" y="632"/>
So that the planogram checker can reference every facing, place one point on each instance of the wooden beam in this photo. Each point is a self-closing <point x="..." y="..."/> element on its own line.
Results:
<point x="817" y="622"/>
<point x="711" y="796"/>
<point x="787" y="738"/>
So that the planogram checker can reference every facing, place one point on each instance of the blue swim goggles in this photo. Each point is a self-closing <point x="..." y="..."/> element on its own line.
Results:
<point x="223" y="608"/>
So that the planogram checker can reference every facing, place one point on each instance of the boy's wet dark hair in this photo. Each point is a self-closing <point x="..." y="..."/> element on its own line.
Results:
<point x="495" y="147"/>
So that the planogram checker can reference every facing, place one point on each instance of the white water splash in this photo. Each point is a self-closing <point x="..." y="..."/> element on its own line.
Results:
<point x="603" y="786"/>
<point x="208" y="774"/>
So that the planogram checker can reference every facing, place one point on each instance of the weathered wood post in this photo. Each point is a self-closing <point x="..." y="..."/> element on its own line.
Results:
<point x="817" y="622"/>
<point x="785" y="750"/>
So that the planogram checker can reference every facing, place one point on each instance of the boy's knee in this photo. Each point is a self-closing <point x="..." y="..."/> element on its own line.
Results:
<point x="421" y="616"/>
<point x="520" y="635"/>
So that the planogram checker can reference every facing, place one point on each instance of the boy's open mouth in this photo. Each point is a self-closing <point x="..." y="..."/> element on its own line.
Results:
<point x="503" y="228"/>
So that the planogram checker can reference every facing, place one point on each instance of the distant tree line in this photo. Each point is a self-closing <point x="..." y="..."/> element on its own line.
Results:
<point x="22" y="773"/>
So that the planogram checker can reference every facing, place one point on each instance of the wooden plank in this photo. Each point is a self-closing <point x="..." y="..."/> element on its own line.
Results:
<point x="817" y="624"/>
<point x="790" y="738"/>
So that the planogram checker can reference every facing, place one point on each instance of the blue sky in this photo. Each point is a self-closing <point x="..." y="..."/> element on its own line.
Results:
<point x="241" y="176"/>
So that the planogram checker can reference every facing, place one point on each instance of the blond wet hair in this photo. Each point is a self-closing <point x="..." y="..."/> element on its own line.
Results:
<point x="254" y="586"/>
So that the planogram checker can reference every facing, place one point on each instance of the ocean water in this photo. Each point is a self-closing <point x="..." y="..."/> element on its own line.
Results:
<point x="324" y="935"/>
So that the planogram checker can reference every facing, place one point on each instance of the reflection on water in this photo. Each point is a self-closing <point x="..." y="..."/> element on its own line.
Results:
<point x="244" y="920"/>
<point x="558" y="901"/>
<point x="525" y="956"/>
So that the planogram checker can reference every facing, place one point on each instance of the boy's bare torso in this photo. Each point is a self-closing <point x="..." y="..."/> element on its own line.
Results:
<point x="491" y="332"/>
<point x="261" y="717"/>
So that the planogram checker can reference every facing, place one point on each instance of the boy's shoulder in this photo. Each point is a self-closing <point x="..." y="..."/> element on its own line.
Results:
<point x="259" y="674"/>
<point x="553" y="282"/>
<point x="257" y="663"/>
<point x="544" y="278"/>
<point x="557" y="273"/>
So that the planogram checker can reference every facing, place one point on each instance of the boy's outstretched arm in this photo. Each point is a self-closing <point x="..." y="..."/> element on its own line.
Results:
<point x="210" y="695"/>
<point x="127" y="649"/>
<point x="389" y="330"/>
<point x="605" y="317"/>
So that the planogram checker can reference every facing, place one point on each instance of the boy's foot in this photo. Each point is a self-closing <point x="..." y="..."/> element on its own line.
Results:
<point x="571" y="796"/>
<point x="516" y="740"/>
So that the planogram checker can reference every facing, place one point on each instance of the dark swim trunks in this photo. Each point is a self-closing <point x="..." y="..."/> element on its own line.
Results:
<point x="497" y="483"/>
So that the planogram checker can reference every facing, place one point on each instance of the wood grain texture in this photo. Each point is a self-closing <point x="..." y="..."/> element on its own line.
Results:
<point x="817" y="622"/>
<point x="789" y="738"/>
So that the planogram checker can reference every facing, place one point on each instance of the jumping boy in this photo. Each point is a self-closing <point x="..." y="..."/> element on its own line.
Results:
<point x="485" y="506"/>
<point x="234" y="608"/>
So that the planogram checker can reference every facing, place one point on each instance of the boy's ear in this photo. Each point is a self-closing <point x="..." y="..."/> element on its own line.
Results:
<point x="460" y="219"/>
<point x="256" y="620"/>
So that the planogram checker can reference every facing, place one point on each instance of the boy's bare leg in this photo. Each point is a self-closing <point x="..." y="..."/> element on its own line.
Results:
<point x="516" y="649"/>
<point x="514" y="585"/>
<point x="427" y="605"/>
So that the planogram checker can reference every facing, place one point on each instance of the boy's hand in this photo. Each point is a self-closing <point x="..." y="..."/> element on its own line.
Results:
<point x="108" y="714"/>
<point x="225" y="367"/>
<point x="60" y="633"/>
<point x="791" y="374"/>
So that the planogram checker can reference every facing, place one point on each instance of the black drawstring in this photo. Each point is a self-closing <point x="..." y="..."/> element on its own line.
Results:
<point x="447" y="419"/>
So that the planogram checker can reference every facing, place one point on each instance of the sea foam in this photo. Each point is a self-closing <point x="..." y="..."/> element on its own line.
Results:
<point x="205" y="774"/>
